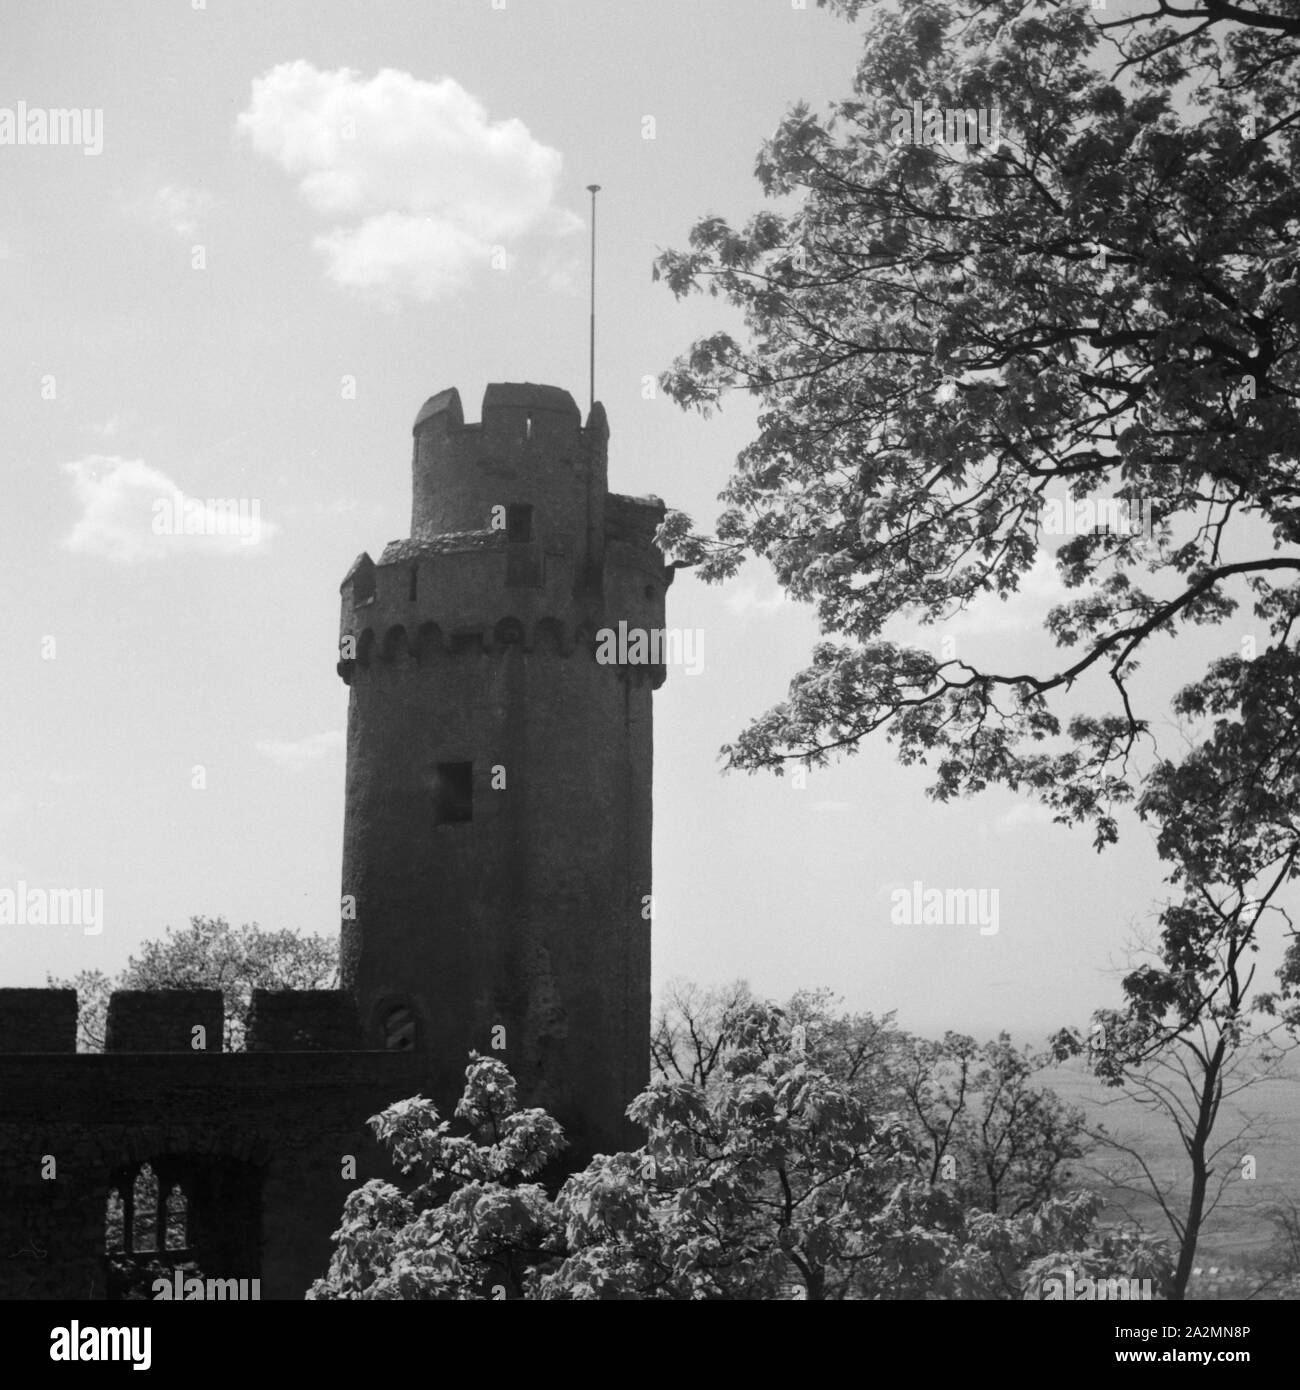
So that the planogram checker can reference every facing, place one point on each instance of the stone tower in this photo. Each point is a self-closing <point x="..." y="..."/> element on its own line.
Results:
<point x="496" y="854"/>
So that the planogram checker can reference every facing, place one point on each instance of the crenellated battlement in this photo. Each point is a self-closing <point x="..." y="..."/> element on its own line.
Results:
<point x="529" y="450"/>
<point x="515" y="543"/>
<point x="38" y="1020"/>
<point x="164" y="1020"/>
<point x="152" y="1021"/>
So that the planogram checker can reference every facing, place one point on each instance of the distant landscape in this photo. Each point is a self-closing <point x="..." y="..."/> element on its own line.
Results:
<point x="1239" y="1233"/>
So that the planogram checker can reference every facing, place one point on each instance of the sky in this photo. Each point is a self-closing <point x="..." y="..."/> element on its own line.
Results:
<point x="303" y="220"/>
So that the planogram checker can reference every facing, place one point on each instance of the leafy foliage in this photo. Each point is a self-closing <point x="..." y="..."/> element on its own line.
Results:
<point x="943" y="340"/>
<point x="771" y="1180"/>
<point x="974" y="1114"/>
<point x="1104" y="303"/>
<point x="473" y="1222"/>
<point x="209" y="954"/>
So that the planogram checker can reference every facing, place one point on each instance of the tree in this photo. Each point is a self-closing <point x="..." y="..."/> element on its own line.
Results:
<point x="688" y="1033"/>
<point x="775" y="1175"/>
<point x="977" y="1120"/>
<point x="474" y="1225"/>
<point x="1005" y="1143"/>
<point x="955" y="348"/>
<point x="1194" y="1026"/>
<point x="1282" y="1260"/>
<point x="1186" y="1043"/>
<point x="769" y="1180"/>
<point x="948" y="343"/>
<point x="209" y="954"/>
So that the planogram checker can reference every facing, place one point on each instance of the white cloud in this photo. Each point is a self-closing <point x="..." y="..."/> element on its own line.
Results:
<point x="59" y="778"/>
<point x="1023" y="612"/>
<point x="744" y="599"/>
<point x="111" y="427"/>
<point x="421" y="185"/>
<point x="296" y="755"/>
<point x="565" y="276"/>
<point x="1025" y="813"/>
<point x="393" y="254"/>
<point x="179" y="209"/>
<point x="1041" y="588"/>
<point x="132" y="512"/>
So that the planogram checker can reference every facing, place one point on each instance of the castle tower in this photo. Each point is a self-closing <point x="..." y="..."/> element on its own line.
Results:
<point x="498" y="806"/>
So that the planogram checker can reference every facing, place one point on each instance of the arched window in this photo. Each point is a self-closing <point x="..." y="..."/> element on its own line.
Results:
<point x="394" y="643"/>
<point x="114" y="1223"/>
<point x="144" y="1211"/>
<point x="399" y="1029"/>
<point x="509" y="632"/>
<point x="177" y="1234"/>
<point x="144" y="1216"/>
<point x="549" y="636"/>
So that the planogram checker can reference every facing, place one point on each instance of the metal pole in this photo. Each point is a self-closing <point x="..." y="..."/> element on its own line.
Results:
<point x="593" y="189"/>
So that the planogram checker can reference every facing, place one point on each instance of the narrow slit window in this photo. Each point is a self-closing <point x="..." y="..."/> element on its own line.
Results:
<point x="415" y="582"/>
<point x="528" y="426"/>
<point x="519" y="522"/>
<point x="115" y="1223"/>
<point x="144" y="1214"/>
<point x="453" y="793"/>
<point x="177" y="1233"/>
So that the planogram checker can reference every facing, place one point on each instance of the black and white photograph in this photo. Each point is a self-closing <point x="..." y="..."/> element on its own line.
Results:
<point x="655" y="656"/>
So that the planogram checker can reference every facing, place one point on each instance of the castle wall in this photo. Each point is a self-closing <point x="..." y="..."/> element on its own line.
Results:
<point x="279" y="1123"/>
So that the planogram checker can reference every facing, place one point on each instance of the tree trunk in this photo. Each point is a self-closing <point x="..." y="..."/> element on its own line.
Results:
<point x="1197" y="1143"/>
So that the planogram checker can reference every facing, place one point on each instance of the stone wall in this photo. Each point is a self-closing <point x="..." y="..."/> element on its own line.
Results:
<point x="279" y="1124"/>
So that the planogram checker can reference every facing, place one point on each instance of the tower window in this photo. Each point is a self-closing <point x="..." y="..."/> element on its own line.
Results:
<point x="453" y="789"/>
<point x="528" y="426"/>
<point x="415" y="582"/>
<point x="399" y="1030"/>
<point x="519" y="522"/>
